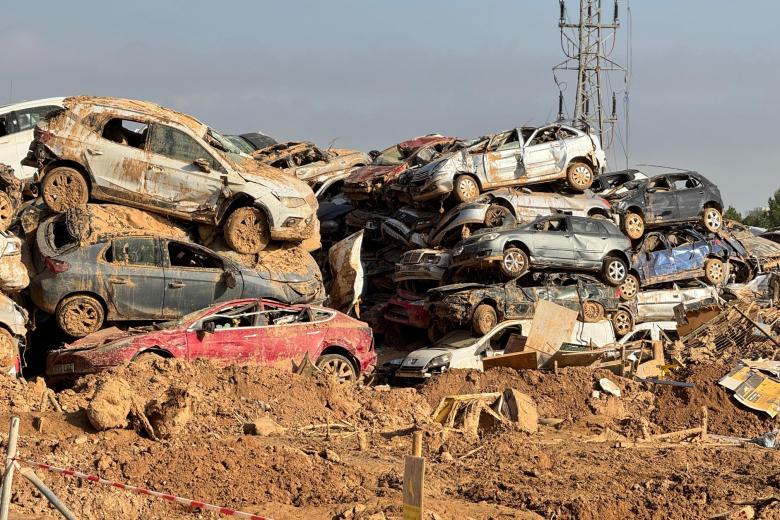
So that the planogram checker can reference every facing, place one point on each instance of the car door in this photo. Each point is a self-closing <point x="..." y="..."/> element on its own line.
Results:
<point x="135" y="283"/>
<point x="543" y="152"/>
<point x="502" y="161"/>
<point x="174" y="178"/>
<point x="195" y="278"/>
<point x="690" y="196"/>
<point x="656" y="259"/>
<point x="658" y="305"/>
<point x="660" y="200"/>
<point x="290" y="333"/>
<point x="26" y="120"/>
<point x="552" y="243"/>
<point x="692" y="252"/>
<point x="229" y="335"/>
<point x="589" y="241"/>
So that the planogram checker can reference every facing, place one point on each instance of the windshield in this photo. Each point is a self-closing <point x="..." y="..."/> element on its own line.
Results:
<point x="176" y="324"/>
<point x="223" y="145"/>
<point x="389" y="157"/>
<point x="239" y="143"/>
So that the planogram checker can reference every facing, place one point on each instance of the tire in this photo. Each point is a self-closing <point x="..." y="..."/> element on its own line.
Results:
<point x="579" y="176"/>
<point x="622" y="322"/>
<point x="614" y="271"/>
<point x="436" y="331"/>
<point x="246" y="230"/>
<point x="465" y="188"/>
<point x="497" y="215"/>
<point x="714" y="271"/>
<point x="80" y="315"/>
<point x="7" y="211"/>
<point x="64" y="188"/>
<point x="711" y="219"/>
<point x="9" y="351"/>
<point x="514" y="263"/>
<point x="146" y="358"/>
<point x="592" y="311"/>
<point x="629" y="288"/>
<point x="483" y="319"/>
<point x="336" y="365"/>
<point x="633" y="225"/>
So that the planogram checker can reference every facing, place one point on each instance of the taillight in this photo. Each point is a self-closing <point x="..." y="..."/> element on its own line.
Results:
<point x="42" y="136"/>
<point x="57" y="266"/>
<point x="618" y="293"/>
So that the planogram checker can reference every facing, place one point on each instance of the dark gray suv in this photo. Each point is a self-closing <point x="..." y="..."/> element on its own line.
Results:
<point x="561" y="242"/>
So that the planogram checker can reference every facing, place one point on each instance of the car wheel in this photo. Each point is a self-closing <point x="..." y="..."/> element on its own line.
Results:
<point x="712" y="219"/>
<point x="336" y="365"/>
<point x="614" y="271"/>
<point x="145" y="358"/>
<point x="514" y="262"/>
<point x="629" y="288"/>
<point x="465" y="188"/>
<point x="592" y="311"/>
<point x="6" y="210"/>
<point x="246" y="230"/>
<point x="9" y="351"/>
<point x="714" y="271"/>
<point x="483" y="319"/>
<point x="623" y="322"/>
<point x="64" y="188"/>
<point x="579" y="176"/>
<point x="80" y="315"/>
<point x="633" y="225"/>
<point x="497" y="215"/>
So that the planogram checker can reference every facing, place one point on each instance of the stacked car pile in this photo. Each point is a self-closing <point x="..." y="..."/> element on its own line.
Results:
<point x="199" y="233"/>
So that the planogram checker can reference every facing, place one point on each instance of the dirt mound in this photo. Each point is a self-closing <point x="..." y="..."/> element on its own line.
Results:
<point x="679" y="408"/>
<point x="110" y="404"/>
<point x="102" y="219"/>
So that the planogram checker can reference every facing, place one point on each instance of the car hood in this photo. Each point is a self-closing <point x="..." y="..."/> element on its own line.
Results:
<point x="280" y="183"/>
<point x="375" y="171"/>
<point x="455" y="287"/>
<point x="418" y="359"/>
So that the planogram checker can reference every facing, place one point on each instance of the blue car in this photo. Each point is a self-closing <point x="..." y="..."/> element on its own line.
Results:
<point x="683" y="254"/>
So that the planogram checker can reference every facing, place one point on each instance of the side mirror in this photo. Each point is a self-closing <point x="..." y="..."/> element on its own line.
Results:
<point x="202" y="164"/>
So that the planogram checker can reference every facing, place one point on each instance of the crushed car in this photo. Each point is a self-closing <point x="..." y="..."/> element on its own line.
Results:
<point x="17" y="122"/>
<point x="683" y="254"/>
<point x="408" y="226"/>
<point x="251" y="142"/>
<point x="508" y="206"/>
<point x="557" y="242"/>
<point x="658" y="304"/>
<point x="13" y="272"/>
<point x="13" y="335"/>
<point x="611" y="183"/>
<point x="763" y="251"/>
<point x="669" y="198"/>
<point x="146" y="156"/>
<point x="136" y="276"/>
<point x="244" y="331"/>
<point x="517" y="157"/>
<point x="365" y="183"/>
<point x="481" y="307"/>
<point x="323" y="170"/>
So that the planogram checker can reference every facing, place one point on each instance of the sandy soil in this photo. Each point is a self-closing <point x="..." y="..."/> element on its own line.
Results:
<point x="576" y="469"/>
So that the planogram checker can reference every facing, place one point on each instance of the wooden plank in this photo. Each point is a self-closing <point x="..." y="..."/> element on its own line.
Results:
<point x="516" y="360"/>
<point x="414" y="481"/>
<point x="552" y="325"/>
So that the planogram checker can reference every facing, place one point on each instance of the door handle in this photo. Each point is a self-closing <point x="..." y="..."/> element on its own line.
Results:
<point x="176" y="285"/>
<point x="314" y="332"/>
<point x="250" y="336"/>
<point x="118" y="281"/>
<point x="92" y="151"/>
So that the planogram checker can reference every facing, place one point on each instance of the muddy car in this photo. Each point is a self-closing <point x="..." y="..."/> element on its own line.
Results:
<point x="481" y="307"/>
<point x="364" y="183"/>
<point x="323" y="170"/>
<point x="408" y="226"/>
<point x="142" y="277"/>
<point x="13" y="273"/>
<point x="241" y="331"/>
<point x="558" y="242"/>
<point x="671" y="198"/>
<point x="146" y="156"/>
<point x="508" y="206"/>
<point x="517" y="157"/>
<point x="763" y="251"/>
<point x="252" y="141"/>
<point x="13" y="335"/>
<point x="422" y="265"/>
<point x="682" y="254"/>
<point x="611" y="183"/>
<point x="659" y="304"/>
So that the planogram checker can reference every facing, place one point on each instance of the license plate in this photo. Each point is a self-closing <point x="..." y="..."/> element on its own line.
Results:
<point x="62" y="369"/>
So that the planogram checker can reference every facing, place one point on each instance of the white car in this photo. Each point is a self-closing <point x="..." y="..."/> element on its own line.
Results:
<point x="658" y="305"/>
<point x="651" y="331"/>
<point x="17" y="122"/>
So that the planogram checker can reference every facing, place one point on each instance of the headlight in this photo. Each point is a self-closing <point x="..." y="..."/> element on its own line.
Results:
<point x="292" y="202"/>
<point x="442" y="361"/>
<point x="11" y="247"/>
<point x="489" y="236"/>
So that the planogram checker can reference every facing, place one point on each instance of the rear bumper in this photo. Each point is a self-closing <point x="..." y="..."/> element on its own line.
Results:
<point x="410" y="313"/>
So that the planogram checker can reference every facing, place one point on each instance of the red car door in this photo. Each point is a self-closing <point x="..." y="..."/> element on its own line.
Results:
<point x="288" y="334"/>
<point x="228" y="335"/>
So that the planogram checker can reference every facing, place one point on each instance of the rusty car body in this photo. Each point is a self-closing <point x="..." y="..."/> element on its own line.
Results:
<point x="243" y="331"/>
<point x="481" y="307"/>
<point x="364" y="183"/>
<point x="669" y="198"/>
<point x="142" y="277"/>
<point x="516" y="157"/>
<point x="13" y="335"/>
<point x="763" y="251"/>
<point x="556" y="242"/>
<point x="323" y="170"/>
<point x="13" y="272"/>
<point x="658" y="304"/>
<point x="146" y="156"/>
<point x="513" y="205"/>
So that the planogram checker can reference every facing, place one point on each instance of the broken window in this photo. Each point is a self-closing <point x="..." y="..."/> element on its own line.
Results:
<point x="544" y="135"/>
<point x="659" y="184"/>
<point x="389" y="157"/>
<point x="126" y="132"/>
<point x="504" y="141"/>
<point x="243" y="315"/>
<point x="29" y="117"/>
<point x="4" y="120"/>
<point x="556" y="225"/>
<point x="587" y="226"/>
<point x="182" y="255"/>
<point x="132" y="251"/>
<point x="685" y="183"/>
<point x="174" y="143"/>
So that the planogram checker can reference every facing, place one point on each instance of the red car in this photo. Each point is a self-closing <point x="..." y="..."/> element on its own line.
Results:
<point x="235" y="332"/>
<point x="364" y="182"/>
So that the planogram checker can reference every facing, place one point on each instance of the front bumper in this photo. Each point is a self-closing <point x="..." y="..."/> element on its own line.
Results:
<point x="432" y="189"/>
<point x="410" y="373"/>
<point x="477" y="253"/>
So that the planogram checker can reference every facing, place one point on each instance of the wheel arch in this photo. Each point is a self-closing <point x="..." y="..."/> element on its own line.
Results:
<point x="94" y="295"/>
<point x="56" y="163"/>
<point x="241" y="200"/>
<point x="156" y="349"/>
<point x="341" y="351"/>
<point x="520" y="245"/>
<point x="713" y="204"/>
<point x="619" y="254"/>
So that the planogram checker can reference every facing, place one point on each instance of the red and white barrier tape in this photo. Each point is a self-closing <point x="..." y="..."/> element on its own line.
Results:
<point x="144" y="491"/>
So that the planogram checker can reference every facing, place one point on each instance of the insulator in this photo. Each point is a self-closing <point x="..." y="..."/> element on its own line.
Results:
<point x="615" y="18"/>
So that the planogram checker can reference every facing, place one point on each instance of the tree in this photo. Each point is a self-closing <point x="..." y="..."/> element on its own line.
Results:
<point x="732" y="214"/>
<point x="767" y="217"/>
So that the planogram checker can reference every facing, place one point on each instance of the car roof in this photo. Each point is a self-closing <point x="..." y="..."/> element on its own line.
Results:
<point x="32" y="103"/>
<point x="141" y="107"/>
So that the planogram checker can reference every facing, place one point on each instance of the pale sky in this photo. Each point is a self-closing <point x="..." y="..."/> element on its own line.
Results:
<point x="371" y="73"/>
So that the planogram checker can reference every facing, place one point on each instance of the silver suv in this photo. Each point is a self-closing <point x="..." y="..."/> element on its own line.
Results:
<point x="143" y="155"/>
